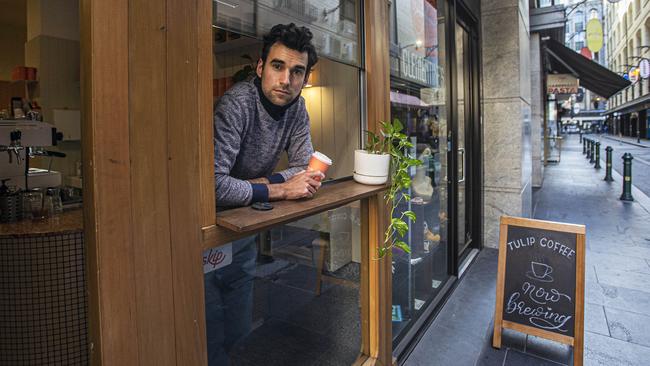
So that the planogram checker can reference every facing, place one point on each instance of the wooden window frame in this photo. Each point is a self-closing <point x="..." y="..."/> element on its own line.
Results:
<point x="149" y="201"/>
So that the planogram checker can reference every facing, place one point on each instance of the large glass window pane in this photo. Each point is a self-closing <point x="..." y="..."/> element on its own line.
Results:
<point x="288" y="296"/>
<point x="334" y="23"/>
<point x="418" y="100"/>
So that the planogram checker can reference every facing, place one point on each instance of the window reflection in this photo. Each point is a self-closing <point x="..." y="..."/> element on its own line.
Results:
<point x="334" y="23"/>
<point x="418" y="100"/>
<point x="288" y="296"/>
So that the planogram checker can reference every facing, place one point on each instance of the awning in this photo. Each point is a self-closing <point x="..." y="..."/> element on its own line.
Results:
<point x="592" y="76"/>
<point x="405" y="99"/>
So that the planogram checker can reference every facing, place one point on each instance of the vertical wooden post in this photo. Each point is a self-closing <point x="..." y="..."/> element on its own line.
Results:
<point x="376" y="31"/>
<point x="146" y="72"/>
<point x="579" y="334"/>
<point x="107" y="191"/>
<point x="501" y="274"/>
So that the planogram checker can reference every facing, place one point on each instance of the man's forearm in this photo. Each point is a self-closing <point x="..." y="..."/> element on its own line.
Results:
<point x="262" y="180"/>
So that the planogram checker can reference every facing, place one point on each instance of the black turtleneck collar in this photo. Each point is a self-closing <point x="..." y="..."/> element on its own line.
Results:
<point x="275" y="111"/>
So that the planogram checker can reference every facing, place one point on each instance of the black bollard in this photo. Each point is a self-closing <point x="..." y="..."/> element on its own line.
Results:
<point x="597" y="157"/>
<point x="588" y="148"/>
<point x="627" y="178"/>
<point x="584" y="146"/>
<point x="608" y="164"/>
<point x="580" y="136"/>
<point x="592" y="152"/>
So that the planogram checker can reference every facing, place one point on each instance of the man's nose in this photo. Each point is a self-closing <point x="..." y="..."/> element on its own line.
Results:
<point x="284" y="77"/>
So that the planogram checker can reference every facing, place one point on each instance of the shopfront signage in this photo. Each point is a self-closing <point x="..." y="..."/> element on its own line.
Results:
<point x="644" y="68"/>
<point x="594" y="35"/>
<point x="216" y="258"/>
<point x="540" y="281"/>
<point x="634" y="75"/>
<point x="561" y="84"/>
<point x="415" y="67"/>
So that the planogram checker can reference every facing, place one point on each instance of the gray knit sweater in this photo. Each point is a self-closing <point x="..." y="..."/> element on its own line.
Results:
<point x="248" y="143"/>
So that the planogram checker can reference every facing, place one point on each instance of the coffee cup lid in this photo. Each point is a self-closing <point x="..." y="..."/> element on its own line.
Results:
<point x="322" y="157"/>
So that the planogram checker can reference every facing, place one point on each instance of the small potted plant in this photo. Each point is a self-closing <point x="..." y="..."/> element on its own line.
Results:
<point x="387" y="154"/>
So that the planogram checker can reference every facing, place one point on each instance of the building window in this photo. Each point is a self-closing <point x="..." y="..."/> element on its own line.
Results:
<point x="579" y="26"/>
<point x="579" y="45"/>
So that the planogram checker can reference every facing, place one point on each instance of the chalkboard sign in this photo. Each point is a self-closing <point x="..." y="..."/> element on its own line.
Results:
<point x="540" y="283"/>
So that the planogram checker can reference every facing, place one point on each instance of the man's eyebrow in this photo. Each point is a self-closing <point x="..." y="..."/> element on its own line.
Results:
<point x="297" y="67"/>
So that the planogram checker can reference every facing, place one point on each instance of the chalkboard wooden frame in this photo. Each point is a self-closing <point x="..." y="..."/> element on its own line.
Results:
<point x="577" y="341"/>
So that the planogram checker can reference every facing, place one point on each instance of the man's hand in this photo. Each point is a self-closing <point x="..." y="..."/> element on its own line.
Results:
<point x="301" y="185"/>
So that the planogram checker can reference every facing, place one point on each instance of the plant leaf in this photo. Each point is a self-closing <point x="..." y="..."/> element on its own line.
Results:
<point x="403" y="246"/>
<point x="400" y="226"/>
<point x="397" y="125"/>
<point x="410" y="215"/>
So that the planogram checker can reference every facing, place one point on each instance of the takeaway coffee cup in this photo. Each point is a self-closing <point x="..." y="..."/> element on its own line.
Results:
<point x="320" y="162"/>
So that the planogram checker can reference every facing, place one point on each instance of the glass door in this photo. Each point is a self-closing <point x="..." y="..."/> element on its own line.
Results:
<point x="467" y="126"/>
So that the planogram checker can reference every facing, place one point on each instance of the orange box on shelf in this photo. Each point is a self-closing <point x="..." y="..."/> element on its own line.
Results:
<point x="19" y="73"/>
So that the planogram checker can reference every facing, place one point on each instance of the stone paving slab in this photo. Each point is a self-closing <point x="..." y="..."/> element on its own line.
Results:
<point x="595" y="320"/>
<point x="629" y="327"/>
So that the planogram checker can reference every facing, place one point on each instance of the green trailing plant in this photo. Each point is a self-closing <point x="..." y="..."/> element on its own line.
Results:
<point x="392" y="141"/>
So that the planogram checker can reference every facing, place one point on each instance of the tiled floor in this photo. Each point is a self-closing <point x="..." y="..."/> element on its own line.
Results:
<point x="617" y="294"/>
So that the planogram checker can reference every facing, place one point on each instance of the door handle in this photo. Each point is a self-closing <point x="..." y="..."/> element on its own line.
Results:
<point x="461" y="152"/>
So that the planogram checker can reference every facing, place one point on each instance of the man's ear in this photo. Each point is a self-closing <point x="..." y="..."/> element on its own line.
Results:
<point x="259" y="68"/>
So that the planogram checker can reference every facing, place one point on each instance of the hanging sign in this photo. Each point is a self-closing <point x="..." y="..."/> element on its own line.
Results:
<point x="634" y="75"/>
<point x="561" y="84"/>
<point x="644" y="68"/>
<point x="585" y="52"/>
<point x="594" y="35"/>
<point x="540" y="281"/>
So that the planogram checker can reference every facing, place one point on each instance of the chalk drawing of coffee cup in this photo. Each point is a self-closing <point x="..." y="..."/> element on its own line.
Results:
<point x="540" y="272"/>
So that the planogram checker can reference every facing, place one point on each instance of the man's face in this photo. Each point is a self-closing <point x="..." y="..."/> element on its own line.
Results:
<point x="283" y="74"/>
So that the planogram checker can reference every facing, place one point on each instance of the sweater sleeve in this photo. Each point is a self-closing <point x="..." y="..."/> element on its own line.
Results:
<point x="228" y="133"/>
<point x="300" y="147"/>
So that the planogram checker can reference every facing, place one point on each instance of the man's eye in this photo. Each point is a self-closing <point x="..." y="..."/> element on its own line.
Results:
<point x="298" y="72"/>
<point x="276" y="66"/>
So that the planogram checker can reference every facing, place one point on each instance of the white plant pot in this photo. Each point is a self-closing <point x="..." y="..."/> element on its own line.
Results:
<point x="371" y="168"/>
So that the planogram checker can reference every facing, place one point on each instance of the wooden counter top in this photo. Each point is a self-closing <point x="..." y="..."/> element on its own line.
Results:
<point x="68" y="221"/>
<point x="246" y="219"/>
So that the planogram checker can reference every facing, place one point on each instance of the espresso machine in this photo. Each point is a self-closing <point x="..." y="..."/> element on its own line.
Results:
<point x="21" y="139"/>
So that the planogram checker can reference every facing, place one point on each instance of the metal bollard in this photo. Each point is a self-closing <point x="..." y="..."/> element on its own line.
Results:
<point x="608" y="164"/>
<point x="592" y="153"/>
<point x="588" y="148"/>
<point x="580" y="136"/>
<point x="627" y="178"/>
<point x="584" y="146"/>
<point x="597" y="157"/>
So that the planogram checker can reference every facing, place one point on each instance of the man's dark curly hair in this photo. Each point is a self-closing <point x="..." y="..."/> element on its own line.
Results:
<point x="293" y="37"/>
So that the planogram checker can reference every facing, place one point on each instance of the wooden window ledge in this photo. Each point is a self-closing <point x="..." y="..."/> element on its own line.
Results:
<point x="244" y="221"/>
